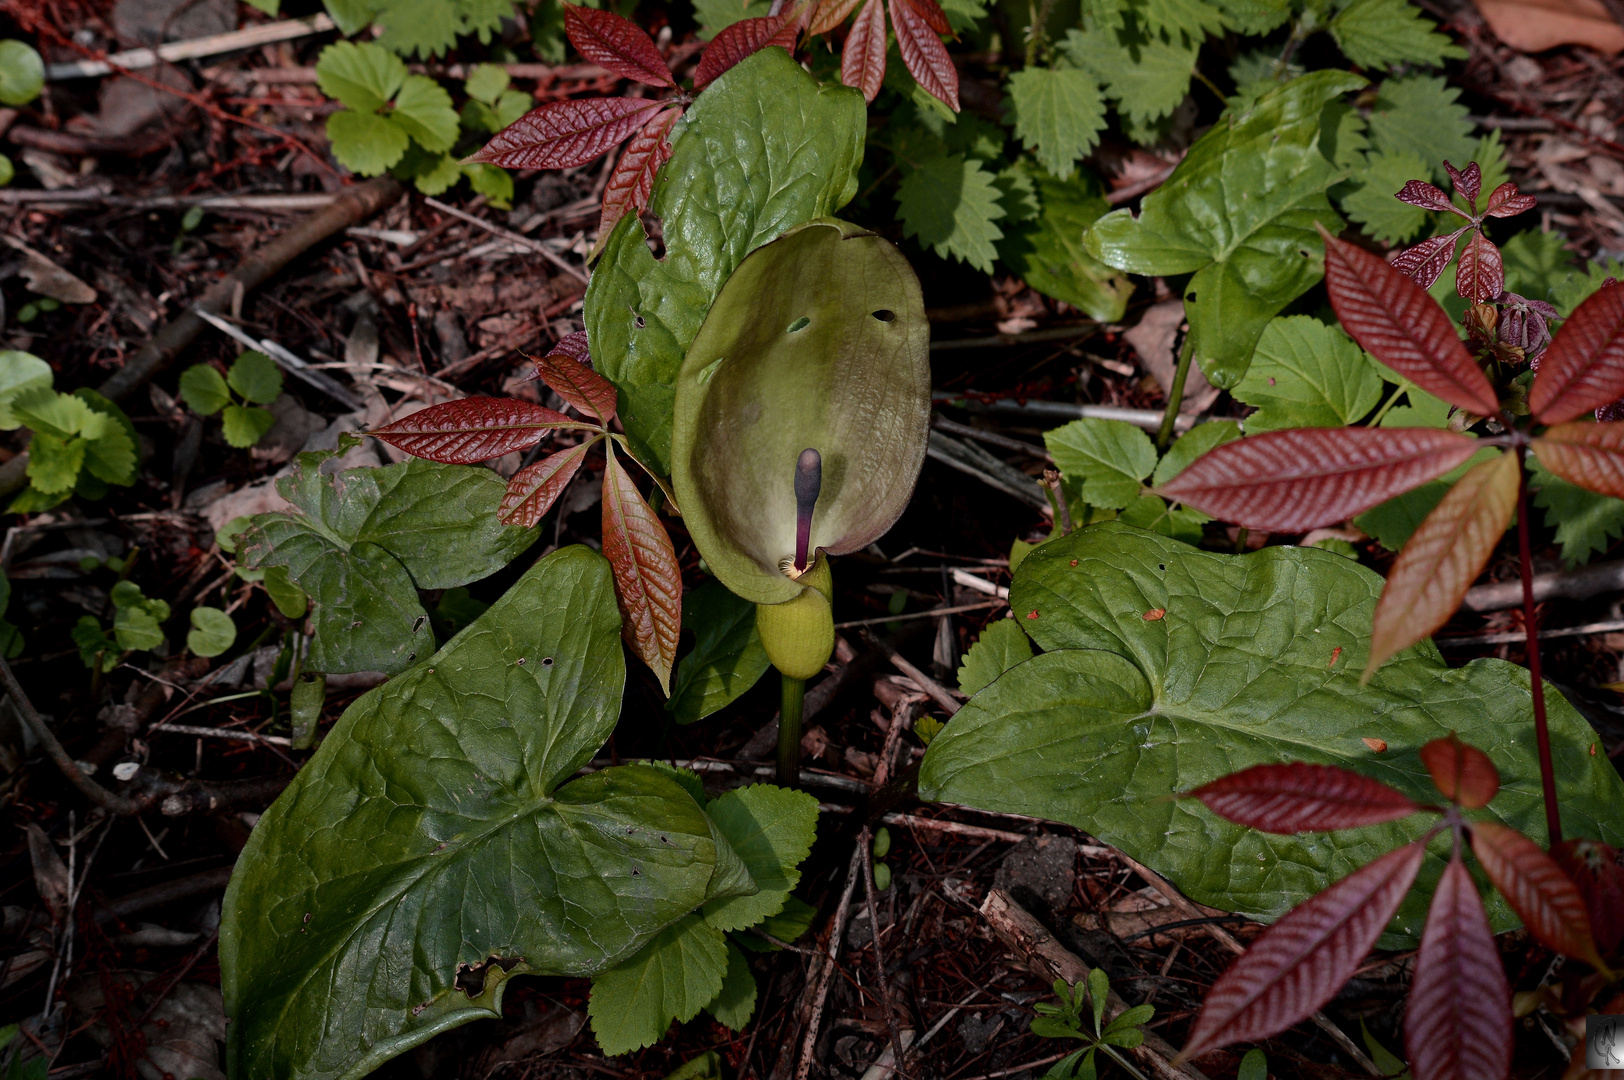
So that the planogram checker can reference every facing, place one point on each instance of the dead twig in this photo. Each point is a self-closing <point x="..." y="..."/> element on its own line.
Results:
<point x="823" y="969"/>
<point x="511" y="237"/>
<point x="93" y="791"/>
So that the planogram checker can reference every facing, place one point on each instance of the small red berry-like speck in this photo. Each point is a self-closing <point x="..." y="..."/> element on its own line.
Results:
<point x="1031" y="614"/>
<point x="1378" y="745"/>
<point x="1074" y="562"/>
<point x="1336" y="652"/>
<point x="1154" y="614"/>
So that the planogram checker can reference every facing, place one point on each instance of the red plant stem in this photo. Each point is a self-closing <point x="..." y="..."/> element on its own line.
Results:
<point x="1542" y="730"/>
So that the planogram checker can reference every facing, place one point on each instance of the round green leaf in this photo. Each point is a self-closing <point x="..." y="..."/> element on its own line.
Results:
<point x="204" y="389"/>
<point x="212" y="632"/>
<point x="256" y="377"/>
<point x="243" y="427"/>
<point x="22" y="72"/>
<point x="486" y="82"/>
<point x="363" y="76"/>
<point x="365" y="142"/>
<point x="423" y="110"/>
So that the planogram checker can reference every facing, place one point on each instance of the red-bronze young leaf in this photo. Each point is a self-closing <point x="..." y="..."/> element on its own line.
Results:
<point x="1468" y="182"/>
<point x="1302" y="478"/>
<point x="793" y="22"/>
<point x="1590" y="455"/>
<point x="1597" y="871"/>
<point x="473" y="429"/>
<point x="1461" y="772"/>
<point x="1300" y="962"/>
<point x="1458" y="1023"/>
<point x="1504" y="202"/>
<point x="862" y="62"/>
<point x="648" y="582"/>
<point x="1299" y="797"/>
<point x="733" y="43"/>
<point x="1537" y="889"/>
<point x="934" y="16"/>
<point x="563" y="134"/>
<point x="573" y="346"/>
<point x="1480" y="275"/>
<point x="590" y="393"/>
<point x="1400" y="325"/>
<point x="1427" y="197"/>
<point x="924" y="54"/>
<point x="633" y="179"/>
<point x="1584" y="367"/>
<point x="618" y="44"/>
<point x="1443" y="557"/>
<point x="1425" y="261"/>
<point x="830" y="14"/>
<point x="534" y="489"/>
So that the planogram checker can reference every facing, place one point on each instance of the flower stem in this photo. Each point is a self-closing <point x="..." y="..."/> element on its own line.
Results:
<point x="789" y="731"/>
<point x="1175" y="393"/>
<point x="1542" y="730"/>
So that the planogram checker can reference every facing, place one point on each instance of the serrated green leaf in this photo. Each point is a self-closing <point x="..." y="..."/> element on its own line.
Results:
<point x="1371" y="202"/>
<point x="1419" y="114"/>
<point x="719" y="199"/>
<point x="486" y="82"/>
<point x="736" y="1002"/>
<point x="493" y="183"/>
<point x="256" y="377"/>
<point x="727" y="658"/>
<point x="22" y="72"/>
<point x="714" y="15"/>
<point x="1534" y="261"/>
<point x="1239" y="214"/>
<point x="445" y="172"/>
<point x="1572" y="290"/>
<point x="20" y="373"/>
<point x="212" y="631"/>
<point x="1254" y="16"/>
<point x="787" y="926"/>
<point x="1490" y="156"/>
<point x="31" y="500"/>
<point x="1385" y="33"/>
<point x="362" y="76"/>
<point x="675" y="975"/>
<point x="1307" y="374"/>
<point x="365" y="142"/>
<point x="1058" y="114"/>
<point x="243" y="426"/>
<point x="1147" y="78"/>
<point x="204" y="390"/>
<point x="423" y="110"/>
<point x="1153" y="513"/>
<point x="62" y="415"/>
<point x="483" y="18"/>
<point x="425" y="28"/>
<point x="1001" y="646"/>
<point x="91" y="640"/>
<point x="772" y="829"/>
<point x="1018" y="195"/>
<point x="951" y="206"/>
<point x="1110" y="458"/>
<point x="1256" y="659"/>
<point x="351" y="16"/>
<point x="1191" y="445"/>
<point x="111" y="457"/>
<point x="1585" y="522"/>
<point x="1190" y="20"/>
<point x="53" y="464"/>
<point x="1256" y="73"/>
<point x="1047" y="250"/>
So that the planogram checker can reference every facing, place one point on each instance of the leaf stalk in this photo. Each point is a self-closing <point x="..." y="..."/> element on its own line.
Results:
<point x="1175" y="393"/>
<point x="1542" y="731"/>
<point x="791" y="706"/>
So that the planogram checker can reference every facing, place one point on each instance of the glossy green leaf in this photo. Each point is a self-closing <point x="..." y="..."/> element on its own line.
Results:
<point x="736" y="1001"/>
<point x="20" y="373"/>
<point x="727" y="658"/>
<point x="22" y="72"/>
<point x="1110" y="459"/>
<point x="255" y="376"/>
<point x="204" y="390"/>
<point x="1058" y="114"/>
<point x="772" y="830"/>
<point x="289" y="599"/>
<point x="1001" y="646"/>
<point x="212" y="631"/>
<point x="245" y="425"/>
<point x="1045" y="247"/>
<point x="675" y="975"/>
<point x="1307" y="374"/>
<point x="429" y="832"/>
<point x="1254" y="659"/>
<point x="1238" y="214"/>
<point x="950" y="205"/>
<point x="765" y="148"/>
<point x="305" y="702"/>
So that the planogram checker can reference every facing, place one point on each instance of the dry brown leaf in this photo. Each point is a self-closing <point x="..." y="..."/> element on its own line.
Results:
<point x="1537" y="25"/>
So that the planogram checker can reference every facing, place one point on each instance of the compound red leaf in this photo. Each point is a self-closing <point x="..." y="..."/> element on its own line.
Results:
<point x="1443" y="557"/>
<point x="1302" y="478"/>
<point x="1468" y="182"/>
<point x="1590" y="455"/>
<point x="578" y="384"/>
<point x="924" y="54"/>
<point x="1480" y="275"/>
<point x="1458" y="1023"/>
<point x="732" y="44"/>
<point x="1597" y="870"/>
<point x="617" y="44"/>
<point x="564" y="134"/>
<point x="1427" y="197"/>
<point x="830" y="14"/>
<point x="627" y="191"/>
<point x="862" y="62"/>
<point x="534" y="489"/>
<point x="1461" y="772"/>
<point x="573" y="346"/>
<point x="648" y="582"/>
<point x="1506" y="202"/>
<point x="934" y="16"/>
<point x="1299" y="797"/>
<point x="1398" y="323"/>
<point x="1425" y="261"/>
<point x="1538" y="890"/>
<point x="472" y="429"/>
<point x="1584" y="367"/>
<point x="1300" y="962"/>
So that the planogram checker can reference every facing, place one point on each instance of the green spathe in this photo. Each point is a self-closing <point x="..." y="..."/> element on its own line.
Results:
<point x="818" y="340"/>
<point x="1243" y="660"/>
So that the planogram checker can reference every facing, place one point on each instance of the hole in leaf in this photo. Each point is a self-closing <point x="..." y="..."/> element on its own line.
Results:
<point x="639" y="322"/>
<point x="471" y="977"/>
<point x="546" y="661"/>
<point x="885" y="314"/>
<point x="417" y="623"/>
<point x="1189" y="298"/>
<point x="520" y="661"/>
<point x="799" y="324"/>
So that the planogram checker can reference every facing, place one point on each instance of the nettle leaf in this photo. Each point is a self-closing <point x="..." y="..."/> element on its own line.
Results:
<point x="343" y="885"/>
<point x="674" y="976"/>
<point x="1145" y="76"/>
<point x="1192" y="19"/>
<point x="1058" y="114"/>
<point x="1584" y="522"/>
<point x="1307" y="374"/>
<point x="720" y="200"/>
<point x="1384" y="33"/>
<point x="1046" y="247"/>
<point x="1372" y="204"/>
<point x="727" y="658"/>
<point x="1001" y="646"/>
<point x="1419" y="114"/>
<point x="1254" y="16"/>
<point x="1239" y="214"/>
<point x="772" y="829"/>
<point x="1110" y="458"/>
<point x="1254" y="660"/>
<point x="950" y="204"/>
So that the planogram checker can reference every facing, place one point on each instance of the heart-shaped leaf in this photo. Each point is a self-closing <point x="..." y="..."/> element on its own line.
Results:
<point x="727" y="658"/>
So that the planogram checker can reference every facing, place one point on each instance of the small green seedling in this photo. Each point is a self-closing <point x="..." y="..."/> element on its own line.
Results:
<point x="256" y="380"/>
<point x="1078" y="1011"/>
<point x="82" y="442"/>
<point x="212" y="632"/>
<point x="188" y="225"/>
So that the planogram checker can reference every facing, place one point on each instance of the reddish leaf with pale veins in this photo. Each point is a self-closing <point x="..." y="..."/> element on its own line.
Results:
<point x="1590" y="455"/>
<point x="1505" y="202"/>
<point x="793" y="23"/>
<point x="1461" y="772"/>
<point x="934" y="16"/>
<point x="1426" y="196"/>
<point x="1537" y="889"/>
<point x="473" y="429"/>
<point x="1458" y="1023"/>
<point x="1302" y="478"/>
<point x="830" y="14"/>
<point x="633" y="179"/>
<point x="1468" y="182"/>
<point x="924" y="54"/>
<point x="534" y="489"/>
<point x="648" y="582"/>
<point x="564" y="134"/>
<point x="1584" y="367"/>
<point x="732" y="44"/>
<point x="1303" y="798"/>
<point x="1300" y="962"/>
<point x="1425" y="262"/>
<point x="1480" y="275"/>
<point x="573" y="346"/>
<point x="1443" y="557"/>
<point x="1597" y="871"/>
<point x="862" y="63"/>
<point x="617" y="44"/>
<point x="1400" y="325"/>
<point x="578" y="384"/>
